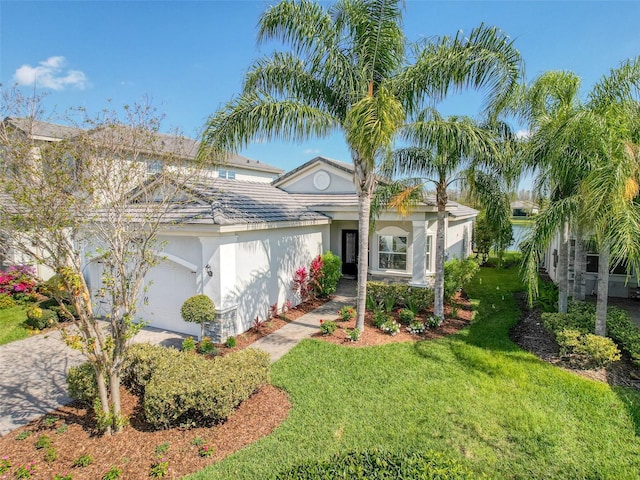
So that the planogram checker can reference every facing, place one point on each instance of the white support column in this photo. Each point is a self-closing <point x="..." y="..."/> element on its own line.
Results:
<point x="418" y="274"/>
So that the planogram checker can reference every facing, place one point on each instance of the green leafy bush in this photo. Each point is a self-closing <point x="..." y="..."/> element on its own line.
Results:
<point x="330" y="274"/>
<point x="188" y="344"/>
<point x="207" y="347"/>
<point x="39" y="319"/>
<point x="193" y="389"/>
<point x="547" y="300"/>
<point x="416" y="327"/>
<point x="81" y="383"/>
<point x="581" y="316"/>
<point x="327" y="327"/>
<point x="113" y="474"/>
<point x="44" y="441"/>
<point x="419" y="298"/>
<point x="347" y="313"/>
<point x="198" y="309"/>
<point x="457" y="274"/>
<point x="83" y="461"/>
<point x="6" y="301"/>
<point x="231" y="342"/>
<point x="141" y="362"/>
<point x="380" y="317"/>
<point x="390" y="326"/>
<point x="380" y="465"/>
<point x="406" y="316"/>
<point x="353" y="334"/>
<point x="624" y="332"/>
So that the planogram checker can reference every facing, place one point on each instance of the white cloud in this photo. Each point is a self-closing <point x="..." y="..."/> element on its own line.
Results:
<point x="311" y="151"/>
<point x="523" y="134"/>
<point x="51" y="73"/>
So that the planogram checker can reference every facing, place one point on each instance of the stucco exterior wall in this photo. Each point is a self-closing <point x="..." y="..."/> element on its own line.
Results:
<point x="265" y="262"/>
<point x="315" y="179"/>
<point x="458" y="238"/>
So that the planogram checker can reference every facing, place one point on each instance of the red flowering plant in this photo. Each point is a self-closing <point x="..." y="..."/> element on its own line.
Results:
<point x="301" y="285"/>
<point x="18" y="280"/>
<point x="315" y="275"/>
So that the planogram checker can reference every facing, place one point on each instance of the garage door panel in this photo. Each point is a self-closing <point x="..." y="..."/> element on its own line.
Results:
<point x="168" y="286"/>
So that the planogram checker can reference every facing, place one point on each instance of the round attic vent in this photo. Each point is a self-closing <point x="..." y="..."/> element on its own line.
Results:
<point x="321" y="180"/>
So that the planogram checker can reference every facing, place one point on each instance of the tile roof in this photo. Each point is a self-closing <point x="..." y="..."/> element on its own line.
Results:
<point x="167" y="144"/>
<point x="234" y="202"/>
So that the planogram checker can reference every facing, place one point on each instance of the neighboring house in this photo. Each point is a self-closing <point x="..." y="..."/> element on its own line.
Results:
<point x="240" y="242"/>
<point x="523" y="208"/>
<point x="619" y="285"/>
<point x="236" y="167"/>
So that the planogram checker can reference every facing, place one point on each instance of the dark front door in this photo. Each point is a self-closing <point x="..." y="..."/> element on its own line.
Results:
<point x="350" y="252"/>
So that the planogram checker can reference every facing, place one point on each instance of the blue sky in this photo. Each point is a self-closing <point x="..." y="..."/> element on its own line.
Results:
<point x="189" y="57"/>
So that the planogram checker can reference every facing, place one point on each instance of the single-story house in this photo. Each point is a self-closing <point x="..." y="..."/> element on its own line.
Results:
<point x="619" y="285"/>
<point x="524" y="208"/>
<point x="240" y="242"/>
<point x="248" y="226"/>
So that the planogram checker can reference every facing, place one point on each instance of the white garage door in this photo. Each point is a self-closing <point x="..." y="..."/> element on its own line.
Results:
<point x="171" y="284"/>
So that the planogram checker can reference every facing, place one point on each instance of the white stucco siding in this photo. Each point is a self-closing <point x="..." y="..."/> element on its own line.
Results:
<point x="265" y="262"/>
<point x="458" y="238"/>
<point x="321" y="178"/>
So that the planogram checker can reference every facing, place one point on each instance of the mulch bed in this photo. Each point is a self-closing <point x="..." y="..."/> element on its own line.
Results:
<point x="374" y="336"/>
<point x="72" y="434"/>
<point x="531" y="335"/>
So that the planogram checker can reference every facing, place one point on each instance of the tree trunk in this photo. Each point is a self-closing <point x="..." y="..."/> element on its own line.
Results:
<point x="114" y="387"/>
<point x="579" y="266"/>
<point x="102" y="394"/>
<point x="364" y="200"/>
<point x="438" y="288"/>
<point x="563" y="268"/>
<point x="603" y="291"/>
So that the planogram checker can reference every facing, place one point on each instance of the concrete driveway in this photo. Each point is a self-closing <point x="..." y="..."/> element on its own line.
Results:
<point x="33" y="374"/>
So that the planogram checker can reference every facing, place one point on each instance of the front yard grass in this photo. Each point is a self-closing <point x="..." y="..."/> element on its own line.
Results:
<point x="12" y="324"/>
<point x="474" y="396"/>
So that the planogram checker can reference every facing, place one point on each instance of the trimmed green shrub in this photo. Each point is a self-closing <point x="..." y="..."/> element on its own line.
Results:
<point x="188" y="344"/>
<point x="379" y="318"/>
<point x="193" y="389"/>
<point x="380" y="465"/>
<point x="6" y="301"/>
<point x="231" y="342"/>
<point x="39" y="319"/>
<point x="457" y="273"/>
<point x="581" y="316"/>
<point x="624" y="332"/>
<point x="140" y="363"/>
<point x="81" y="383"/>
<point x="419" y="298"/>
<point x="198" y="309"/>
<point x="330" y="274"/>
<point x="207" y="347"/>
<point x="406" y="316"/>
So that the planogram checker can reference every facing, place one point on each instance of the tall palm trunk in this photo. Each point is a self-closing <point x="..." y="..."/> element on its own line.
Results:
<point x="438" y="288"/>
<point x="364" y="180"/>
<point x="579" y="266"/>
<point x="603" y="291"/>
<point x="563" y="268"/>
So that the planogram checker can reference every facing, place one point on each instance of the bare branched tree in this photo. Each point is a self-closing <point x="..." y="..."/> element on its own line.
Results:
<point x="99" y="191"/>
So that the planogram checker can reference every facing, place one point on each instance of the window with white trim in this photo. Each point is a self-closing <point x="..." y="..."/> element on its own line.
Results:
<point x="392" y="252"/>
<point x="154" y="166"/>
<point x="428" y="249"/>
<point x="228" y="174"/>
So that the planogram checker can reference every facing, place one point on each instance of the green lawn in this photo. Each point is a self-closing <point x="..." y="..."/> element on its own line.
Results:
<point x="11" y="324"/>
<point x="475" y="396"/>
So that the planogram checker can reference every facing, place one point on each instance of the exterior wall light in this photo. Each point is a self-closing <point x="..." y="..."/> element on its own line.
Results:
<point x="207" y="268"/>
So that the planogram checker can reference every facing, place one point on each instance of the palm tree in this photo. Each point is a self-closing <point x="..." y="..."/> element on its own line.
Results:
<point x="446" y="151"/>
<point x="346" y="71"/>
<point x="584" y="164"/>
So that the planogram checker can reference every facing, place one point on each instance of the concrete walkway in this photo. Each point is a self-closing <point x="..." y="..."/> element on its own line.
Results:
<point x="33" y="370"/>
<point x="281" y="341"/>
<point x="33" y="379"/>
